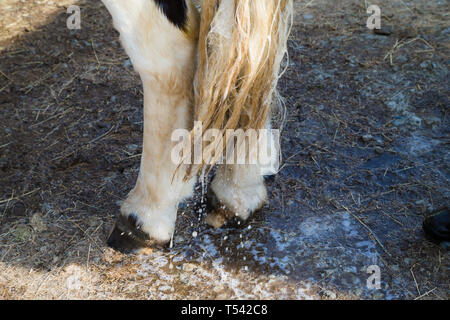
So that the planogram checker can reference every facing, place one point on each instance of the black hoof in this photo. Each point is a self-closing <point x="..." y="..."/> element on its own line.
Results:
<point x="437" y="225"/>
<point x="127" y="237"/>
<point x="212" y="202"/>
<point x="218" y="215"/>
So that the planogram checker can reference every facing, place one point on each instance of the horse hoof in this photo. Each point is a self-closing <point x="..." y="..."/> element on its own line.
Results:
<point x="126" y="236"/>
<point x="218" y="214"/>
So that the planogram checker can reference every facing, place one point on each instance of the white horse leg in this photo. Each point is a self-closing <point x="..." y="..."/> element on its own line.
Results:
<point x="237" y="190"/>
<point x="160" y="38"/>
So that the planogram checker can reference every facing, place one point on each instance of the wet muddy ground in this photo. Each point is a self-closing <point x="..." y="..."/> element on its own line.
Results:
<point x="365" y="148"/>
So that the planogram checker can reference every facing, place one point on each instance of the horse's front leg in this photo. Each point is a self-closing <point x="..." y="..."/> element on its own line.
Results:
<point x="161" y="43"/>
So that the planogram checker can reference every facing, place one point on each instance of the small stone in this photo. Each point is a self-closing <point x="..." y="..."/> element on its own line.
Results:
<point x="189" y="267"/>
<point x="367" y="137"/>
<point x="184" y="279"/>
<point x="379" y="150"/>
<point x="406" y="33"/>
<point x="179" y="239"/>
<point x="18" y="210"/>
<point x="165" y="288"/>
<point x="378" y="296"/>
<point x="383" y="31"/>
<point x="327" y="294"/>
<point x="37" y="223"/>
<point x="415" y="120"/>
<point x="21" y="233"/>
<point x="127" y="63"/>
<point x="395" y="268"/>
<point x="358" y="292"/>
<point x="432" y="121"/>
<point x="132" y="147"/>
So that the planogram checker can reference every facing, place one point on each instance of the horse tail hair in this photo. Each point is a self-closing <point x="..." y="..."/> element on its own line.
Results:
<point x="242" y="44"/>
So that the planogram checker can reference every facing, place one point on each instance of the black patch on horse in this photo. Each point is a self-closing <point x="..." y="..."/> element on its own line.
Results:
<point x="175" y="11"/>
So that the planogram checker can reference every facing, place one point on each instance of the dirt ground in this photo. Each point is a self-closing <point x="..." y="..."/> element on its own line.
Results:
<point x="365" y="146"/>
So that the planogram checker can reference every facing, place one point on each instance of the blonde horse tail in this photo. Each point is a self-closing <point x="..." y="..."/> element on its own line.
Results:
<point x="241" y="47"/>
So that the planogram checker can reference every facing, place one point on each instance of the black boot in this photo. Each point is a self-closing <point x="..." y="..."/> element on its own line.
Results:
<point x="437" y="225"/>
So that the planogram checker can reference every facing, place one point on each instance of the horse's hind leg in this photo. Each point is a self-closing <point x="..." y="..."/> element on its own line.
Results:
<point x="160" y="37"/>
<point x="239" y="64"/>
<point x="237" y="190"/>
